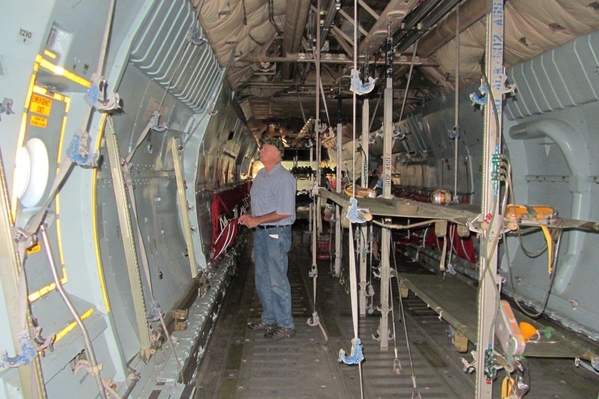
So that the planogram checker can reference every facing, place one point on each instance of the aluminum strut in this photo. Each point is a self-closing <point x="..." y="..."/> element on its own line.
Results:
<point x="386" y="233"/>
<point x="124" y="214"/>
<point x="488" y="291"/>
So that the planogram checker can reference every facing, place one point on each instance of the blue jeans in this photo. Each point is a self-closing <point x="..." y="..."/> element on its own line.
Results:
<point x="270" y="254"/>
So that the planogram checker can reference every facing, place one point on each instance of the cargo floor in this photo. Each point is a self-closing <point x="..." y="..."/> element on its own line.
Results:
<point x="240" y="363"/>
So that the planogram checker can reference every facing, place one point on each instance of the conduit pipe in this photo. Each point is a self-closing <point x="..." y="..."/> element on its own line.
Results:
<point x="576" y="152"/>
<point x="67" y="300"/>
<point x="332" y="10"/>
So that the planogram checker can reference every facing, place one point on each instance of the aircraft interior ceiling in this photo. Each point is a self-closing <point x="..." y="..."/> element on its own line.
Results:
<point x="129" y="140"/>
<point x="264" y="66"/>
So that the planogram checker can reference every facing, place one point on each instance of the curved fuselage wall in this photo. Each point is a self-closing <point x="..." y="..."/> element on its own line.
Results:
<point x="550" y="135"/>
<point x="154" y="68"/>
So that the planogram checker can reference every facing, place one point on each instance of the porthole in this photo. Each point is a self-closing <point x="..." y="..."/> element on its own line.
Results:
<point x="31" y="172"/>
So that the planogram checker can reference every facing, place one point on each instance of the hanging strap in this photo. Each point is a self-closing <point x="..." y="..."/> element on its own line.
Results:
<point x="356" y="356"/>
<point x="415" y="392"/>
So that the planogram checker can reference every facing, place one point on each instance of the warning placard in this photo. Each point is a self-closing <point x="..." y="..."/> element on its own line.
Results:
<point x="38" y="121"/>
<point x="40" y="105"/>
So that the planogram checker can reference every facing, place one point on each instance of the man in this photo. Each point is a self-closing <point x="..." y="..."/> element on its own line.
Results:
<point x="272" y="213"/>
<point x="376" y="180"/>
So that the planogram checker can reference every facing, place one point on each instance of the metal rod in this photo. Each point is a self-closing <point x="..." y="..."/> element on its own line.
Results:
<point x="67" y="301"/>
<point x="488" y="290"/>
<point x="456" y="125"/>
<point x="405" y="96"/>
<point x="386" y="233"/>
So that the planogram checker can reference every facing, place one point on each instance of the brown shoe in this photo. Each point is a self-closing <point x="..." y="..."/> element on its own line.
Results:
<point x="262" y="325"/>
<point x="280" y="333"/>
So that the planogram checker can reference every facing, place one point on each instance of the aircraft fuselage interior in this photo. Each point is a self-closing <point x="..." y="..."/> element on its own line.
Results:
<point x="445" y="243"/>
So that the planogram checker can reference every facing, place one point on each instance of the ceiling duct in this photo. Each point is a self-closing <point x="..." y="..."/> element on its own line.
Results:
<point x="296" y="15"/>
<point x="390" y="19"/>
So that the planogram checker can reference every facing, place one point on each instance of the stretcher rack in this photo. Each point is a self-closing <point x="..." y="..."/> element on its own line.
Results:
<point x="399" y="207"/>
<point x="454" y="299"/>
<point x="460" y="214"/>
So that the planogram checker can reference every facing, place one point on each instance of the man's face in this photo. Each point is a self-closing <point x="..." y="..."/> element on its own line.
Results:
<point x="269" y="152"/>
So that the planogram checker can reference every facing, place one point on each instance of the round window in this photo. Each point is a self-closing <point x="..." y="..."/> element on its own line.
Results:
<point x="31" y="172"/>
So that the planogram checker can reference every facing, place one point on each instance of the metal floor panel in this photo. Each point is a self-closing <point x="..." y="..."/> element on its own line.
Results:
<point x="241" y="364"/>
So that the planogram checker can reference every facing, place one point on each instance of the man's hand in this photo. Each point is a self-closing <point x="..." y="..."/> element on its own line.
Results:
<point x="248" y="221"/>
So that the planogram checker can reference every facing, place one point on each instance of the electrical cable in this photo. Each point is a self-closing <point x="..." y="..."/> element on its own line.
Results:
<point x="549" y="285"/>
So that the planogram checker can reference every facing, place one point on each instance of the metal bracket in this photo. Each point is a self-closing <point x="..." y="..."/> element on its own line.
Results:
<point x="26" y="352"/>
<point x="6" y="107"/>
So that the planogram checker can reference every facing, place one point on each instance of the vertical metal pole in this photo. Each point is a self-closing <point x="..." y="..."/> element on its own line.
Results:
<point x="9" y="278"/>
<point x="313" y="179"/>
<point x="386" y="233"/>
<point x="456" y="125"/>
<point x="124" y="213"/>
<point x="317" y="171"/>
<point x="183" y="210"/>
<point x="338" y="190"/>
<point x="363" y="228"/>
<point x="488" y="295"/>
<point x="69" y="304"/>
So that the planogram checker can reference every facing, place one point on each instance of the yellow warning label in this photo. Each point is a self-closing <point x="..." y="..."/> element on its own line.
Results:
<point x="33" y="249"/>
<point x="38" y="121"/>
<point x="40" y="105"/>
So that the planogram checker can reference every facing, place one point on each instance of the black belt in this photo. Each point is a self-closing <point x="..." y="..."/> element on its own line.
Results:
<point x="271" y="226"/>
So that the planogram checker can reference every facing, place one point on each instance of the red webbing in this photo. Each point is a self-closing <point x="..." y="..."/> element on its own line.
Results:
<point x="223" y="204"/>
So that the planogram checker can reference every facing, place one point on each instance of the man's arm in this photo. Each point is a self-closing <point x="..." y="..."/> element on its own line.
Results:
<point x="253" y="221"/>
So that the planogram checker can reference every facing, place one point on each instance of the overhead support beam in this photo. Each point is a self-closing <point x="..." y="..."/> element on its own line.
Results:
<point x="471" y="11"/>
<point x="337" y="34"/>
<point x="389" y="20"/>
<point x="368" y="9"/>
<point x="345" y="37"/>
<point x="414" y="19"/>
<point x="410" y="35"/>
<point x="335" y="58"/>
<point x="351" y="20"/>
<point x="334" y="7"/>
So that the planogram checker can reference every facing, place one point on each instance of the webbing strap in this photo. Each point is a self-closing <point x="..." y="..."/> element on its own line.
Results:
<point x="356" y="356"/>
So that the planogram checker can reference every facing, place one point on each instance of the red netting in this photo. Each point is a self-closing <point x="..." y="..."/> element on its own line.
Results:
<point x="224" y="204"/>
